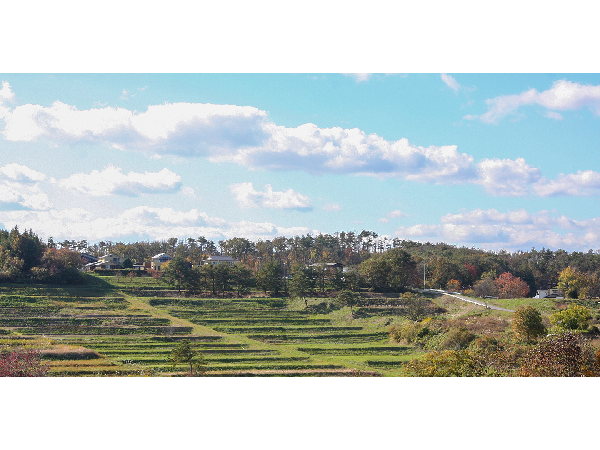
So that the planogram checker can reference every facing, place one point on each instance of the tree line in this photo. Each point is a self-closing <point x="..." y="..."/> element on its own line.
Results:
<point x="386" y="263"/>
<point x="25" y="258"/>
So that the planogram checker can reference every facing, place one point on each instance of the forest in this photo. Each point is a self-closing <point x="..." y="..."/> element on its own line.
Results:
<point x="375" y="262"/>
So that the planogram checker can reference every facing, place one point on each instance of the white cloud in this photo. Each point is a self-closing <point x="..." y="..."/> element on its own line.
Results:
<point x="553" y="115"/>
<point x="451" y="82"/>
<point x="563" y="95"/>
<point x="359" y="77"/>
<point x="512" y="230"/>
<point x="248" y="197"/>
<point x="112" y="182"/>
<point x="20" y="189"/>
<point x="19" y="173"/>
<point x="392" y="215"/>
<point x="6" y="92"/>
<point x="244" y="135"/>
<point x="188" y="192"/>
<point x="141" y="222"/>
<point x="507" y="177"/>
<point x="332" y="207"/>
<point x="583" y="183"/>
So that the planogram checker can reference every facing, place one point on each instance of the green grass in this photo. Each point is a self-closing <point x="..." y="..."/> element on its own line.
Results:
<point x="135" y="328"/>
<point x="545" y="306"/>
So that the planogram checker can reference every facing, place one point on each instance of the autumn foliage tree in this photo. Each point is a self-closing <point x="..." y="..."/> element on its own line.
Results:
<point x="509" y="286"/>
<point x="22" y="363"/>
<point x="561" y="356"/>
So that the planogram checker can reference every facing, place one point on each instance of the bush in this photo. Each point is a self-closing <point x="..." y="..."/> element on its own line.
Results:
<point x="561" y="356"/>
<point x="457" y="339"/>
<point x="22" y="363"/>
<point x="575" y="317"/>
<point x="527" y="323"/>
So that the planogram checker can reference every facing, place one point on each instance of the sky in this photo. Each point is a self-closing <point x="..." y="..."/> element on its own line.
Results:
<point x="496" y="161"/>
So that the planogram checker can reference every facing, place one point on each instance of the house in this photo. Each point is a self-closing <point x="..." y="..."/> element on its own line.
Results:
<point x="142" y="266"/>
<point x="550" y="293"/>
<point x="88" y="258"/>
<point x="159" y="260"/>
<point x="331" y="267"/>
<point x="215" y="260"/>
<point x="108" y="261"/>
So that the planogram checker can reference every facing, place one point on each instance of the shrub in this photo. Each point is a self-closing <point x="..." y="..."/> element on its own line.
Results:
<point x="561" y="356"/>
<point x="575" y="317"/>
<point x="22" y="363"/>
<point x="457" y="339"/>
<point x="527" y="323"/>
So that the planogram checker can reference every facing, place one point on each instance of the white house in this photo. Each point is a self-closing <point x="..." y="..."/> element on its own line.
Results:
<point x="159" y="260"/>
<point x="549" y="293"/>
<point x="215" y="260"/>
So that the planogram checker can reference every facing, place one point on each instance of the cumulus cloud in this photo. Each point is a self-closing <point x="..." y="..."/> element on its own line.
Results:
<point x="511" y="230"/>
<point x="583" y="183"/>
<point x="562" y="96"/>
<point x="19" y="173"/>
<point x="20" y="189"/>
<point x="6" y="92"/>
<point x="112" y="182"/>
<point x="248" y="197"/>
<point x="142" y="222"/>
<point x="6" y="95"/>
<point x="186" y="129"/>
<point x="244" y="135"/>
<point x="507" y="177"/>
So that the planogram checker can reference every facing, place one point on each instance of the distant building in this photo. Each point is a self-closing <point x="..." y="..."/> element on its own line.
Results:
<point x="159" y="260"/>
<point x="329" y="266"/>
<point x="550" y="293"/>
<point x="88" y="258"/>
<point x="142" y="266"/>
<point x="215" y="260"/>
<point x="108" y="261"/>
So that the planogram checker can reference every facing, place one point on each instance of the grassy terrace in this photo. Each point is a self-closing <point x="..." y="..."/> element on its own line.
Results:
<point x="115" y="328"/>
<point x="109" y="328"/>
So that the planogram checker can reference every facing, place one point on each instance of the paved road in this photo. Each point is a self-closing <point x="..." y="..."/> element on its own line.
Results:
<point x="467" y="299"/>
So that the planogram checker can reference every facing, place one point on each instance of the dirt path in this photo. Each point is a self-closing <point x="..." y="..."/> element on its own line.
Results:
<point x="468" y="299"/>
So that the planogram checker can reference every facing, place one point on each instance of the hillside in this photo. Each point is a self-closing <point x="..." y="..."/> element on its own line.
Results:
<point x="112" y="327"/>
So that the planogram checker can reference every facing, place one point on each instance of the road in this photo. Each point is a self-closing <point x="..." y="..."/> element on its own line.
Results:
<point x="467" y="299"/>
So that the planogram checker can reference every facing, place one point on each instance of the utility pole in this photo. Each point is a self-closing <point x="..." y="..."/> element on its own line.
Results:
<point x="424" y="265"/>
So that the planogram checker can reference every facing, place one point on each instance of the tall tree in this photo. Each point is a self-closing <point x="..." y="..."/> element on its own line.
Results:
<point x="269" y="278"/>
<point x="510" y="286"/>
<point x="178" y="272"/>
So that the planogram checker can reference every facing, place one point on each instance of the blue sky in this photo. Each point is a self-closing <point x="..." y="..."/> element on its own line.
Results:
<point x="486" y="160"/>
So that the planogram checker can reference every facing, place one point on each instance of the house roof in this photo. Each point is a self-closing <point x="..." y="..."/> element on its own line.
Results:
<point x="162" y="255"/>
<point x="219" y="258"/>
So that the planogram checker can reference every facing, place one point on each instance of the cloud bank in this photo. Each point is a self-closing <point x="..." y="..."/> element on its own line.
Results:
<point x="512" y="230"/>
<point x="244" y="135"/>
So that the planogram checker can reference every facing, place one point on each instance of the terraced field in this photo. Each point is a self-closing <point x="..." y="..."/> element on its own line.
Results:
<point x="102" y="330"/>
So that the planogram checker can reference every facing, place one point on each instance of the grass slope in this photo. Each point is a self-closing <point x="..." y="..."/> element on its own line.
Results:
<point x="113" y="327"/>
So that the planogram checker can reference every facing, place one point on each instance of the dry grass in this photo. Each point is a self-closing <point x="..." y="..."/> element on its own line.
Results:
<point x="480" y="325"/>
<point x="69" y="352"/>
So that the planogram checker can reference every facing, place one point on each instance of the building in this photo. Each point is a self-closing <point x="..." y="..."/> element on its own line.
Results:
<point x="108" y="261"/>
<point x="142" y="266"/>
<point x="215" y="260"/>
<point x="159" y="260"/>
<point x="88" y="258"/>
<point x="331" y="267"/>
<point x="550" y="293"/>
